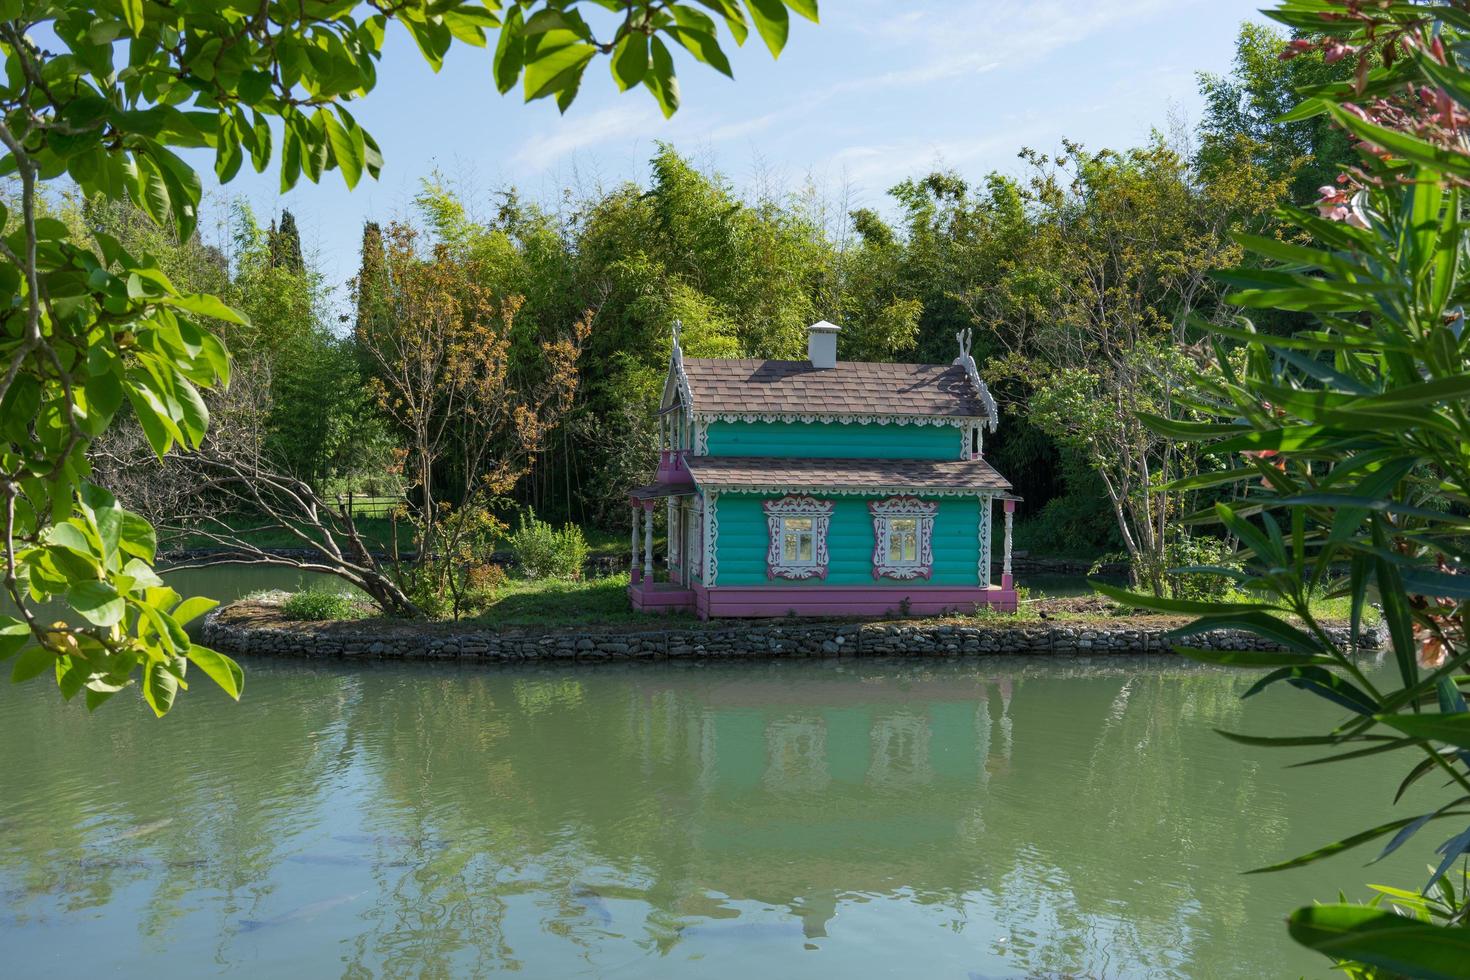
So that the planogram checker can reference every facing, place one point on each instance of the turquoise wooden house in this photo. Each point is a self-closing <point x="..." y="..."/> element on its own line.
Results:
<point x="821" y="487"/>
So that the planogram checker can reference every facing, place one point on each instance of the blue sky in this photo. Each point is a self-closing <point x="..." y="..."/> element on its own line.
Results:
<point x="879" y="91"/>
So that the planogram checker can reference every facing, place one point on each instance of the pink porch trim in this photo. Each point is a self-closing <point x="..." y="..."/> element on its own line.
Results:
<point x="660" y="597"/>
<point x="673" y="469"/>
<point x="845" y="600"/>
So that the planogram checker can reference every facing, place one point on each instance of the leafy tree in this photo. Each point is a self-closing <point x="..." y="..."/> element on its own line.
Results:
<point x="1346" y="444"/>
<point x="1243" y="111"/>
<point x="443" y="375"/>
<point x="1095" y="317"/>
<point x="117" y="88"/>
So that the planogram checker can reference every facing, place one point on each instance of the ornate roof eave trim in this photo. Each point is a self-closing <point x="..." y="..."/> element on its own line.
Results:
<point x="958" y="421"/>
<point x="837" y="490"/>
<point x="973" y="373"/>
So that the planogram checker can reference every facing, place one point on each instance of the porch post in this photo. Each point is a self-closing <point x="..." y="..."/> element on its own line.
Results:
<point x="634" y="572"/>
<point x="1006" y="582"/>
<point x="648" y="541"/>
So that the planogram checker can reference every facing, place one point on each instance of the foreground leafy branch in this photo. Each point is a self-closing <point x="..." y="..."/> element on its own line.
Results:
<point x="104" y="94"/>
<point x="1347" y="448"/>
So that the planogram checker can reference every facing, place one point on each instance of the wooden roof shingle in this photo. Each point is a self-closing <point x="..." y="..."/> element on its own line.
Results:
<point x="744" y="386"/>
<point x="857" y="475"/>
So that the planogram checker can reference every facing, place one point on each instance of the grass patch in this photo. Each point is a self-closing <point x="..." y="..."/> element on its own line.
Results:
<point x="1340" y="610"/>
<point x="557" y="602"/>
<point x="321" y="604"/>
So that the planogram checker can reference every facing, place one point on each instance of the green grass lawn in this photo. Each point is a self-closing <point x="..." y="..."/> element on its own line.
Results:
<point x="548" y="602"/>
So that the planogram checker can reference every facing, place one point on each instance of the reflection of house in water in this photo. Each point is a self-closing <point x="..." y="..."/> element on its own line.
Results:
<point x="825" y="778"/>
<point x="857" y="736"/>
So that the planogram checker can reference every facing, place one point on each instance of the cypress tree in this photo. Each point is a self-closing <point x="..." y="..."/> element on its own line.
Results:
<point x="285" y="244"/>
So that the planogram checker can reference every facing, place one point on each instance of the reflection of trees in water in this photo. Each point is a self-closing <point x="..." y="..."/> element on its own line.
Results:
<point x="200" y="803"/>
<point x="1059" y="803"/>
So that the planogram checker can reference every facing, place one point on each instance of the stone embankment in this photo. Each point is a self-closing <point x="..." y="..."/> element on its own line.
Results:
<point x="235" y="630"/>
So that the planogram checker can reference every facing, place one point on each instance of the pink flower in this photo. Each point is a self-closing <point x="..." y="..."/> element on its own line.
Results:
<point x="1336" y="51"/>
<point x="1299" y="46"/>
<point x="1432" y="649"/>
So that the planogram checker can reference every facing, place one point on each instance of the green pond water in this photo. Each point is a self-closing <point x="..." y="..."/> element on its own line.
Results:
<point x="967" y="819"/>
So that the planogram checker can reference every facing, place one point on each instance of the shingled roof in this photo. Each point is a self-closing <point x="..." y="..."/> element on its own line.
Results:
<point x="868" y="475"/>
<point x="756" y="387"/>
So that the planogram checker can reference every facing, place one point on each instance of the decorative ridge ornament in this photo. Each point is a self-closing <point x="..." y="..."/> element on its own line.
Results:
<point x="676" y="368"/>
<point x="973" y="373"/>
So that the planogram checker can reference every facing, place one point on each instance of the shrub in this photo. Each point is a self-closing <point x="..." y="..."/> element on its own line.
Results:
<point x="318" y="604"/>
<point x="481" y="583"/>
<point x="542" y="551"/>
<point x="1185" y="552"/>
<point x="1200" y="553"/>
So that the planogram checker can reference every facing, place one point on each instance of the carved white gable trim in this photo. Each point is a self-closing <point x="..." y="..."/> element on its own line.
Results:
<point x="777" y="511"/>
<point x="884" y="512"/>
<point x="973" y="373"/>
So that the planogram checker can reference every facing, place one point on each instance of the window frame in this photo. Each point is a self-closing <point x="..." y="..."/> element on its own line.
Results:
<point x="792" y="508"/>
<point x="885" y="513"/>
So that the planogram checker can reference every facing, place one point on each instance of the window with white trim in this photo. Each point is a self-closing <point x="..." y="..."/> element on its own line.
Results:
<point x="903" y="540"/>
<point x="798" y="537"/>
<point x="903" y="537"/>
<point x="798" y="542"/>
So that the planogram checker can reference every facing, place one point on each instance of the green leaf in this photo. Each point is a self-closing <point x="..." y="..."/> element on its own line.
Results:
<point x="510" y="51"/>
<point x="555" y="60"/>
<point x="346" y="151"/>
<point x="1251" y="658"/>
<point x="661" y="80"/>
<point x="1258" y="623"/>
<point x="1450" y="729"/>
<point x="142" y="574"/>
<point x="227" y="153"/>
<point x="1384" y="939"/>
<point x="219" y="668"/>
<point x="32" y="663"/>
<point x="98" y="602"/>
<point x="133" y="14"/>
<point x="806" y="8"/>
<point x="205" y="305"/>
<point x="159" y="687"/>
<point x="772" y="22"/>
<point x="1165" y="604"/>
<point x="704" y="47"/>
<point x="191" y="609"/>
<point x="14" y="634"/>
<point x="1176" y="429"/>
<point x="137" y="537"/>
<point x="1293" y="741"/>
<point x="1321" y="682"/>
<point x="1347" y="843"/>
<point x="1401" y="145"/>
<point x="630" y="60"/>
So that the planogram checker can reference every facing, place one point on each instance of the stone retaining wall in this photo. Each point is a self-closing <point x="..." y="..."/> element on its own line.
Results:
<point x="796" y="640"/>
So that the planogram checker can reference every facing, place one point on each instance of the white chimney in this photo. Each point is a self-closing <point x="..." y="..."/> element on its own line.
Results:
<point x="821" y="344"/>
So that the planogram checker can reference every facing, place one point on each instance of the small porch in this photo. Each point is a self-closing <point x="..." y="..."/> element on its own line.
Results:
<point x="669" y="588"/>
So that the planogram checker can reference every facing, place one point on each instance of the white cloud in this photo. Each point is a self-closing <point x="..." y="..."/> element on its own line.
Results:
<point x="957" y="39"/>
<point x="625" y="121"/>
